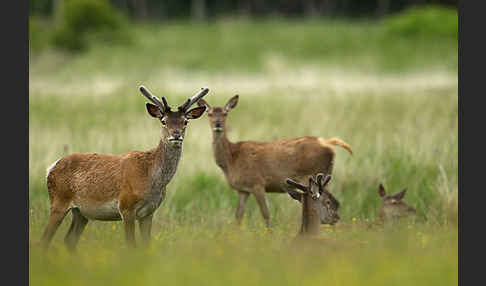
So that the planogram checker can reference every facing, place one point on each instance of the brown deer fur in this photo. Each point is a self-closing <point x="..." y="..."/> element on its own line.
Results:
<point x="252" y="167"/>
<point x="124" y="187"/>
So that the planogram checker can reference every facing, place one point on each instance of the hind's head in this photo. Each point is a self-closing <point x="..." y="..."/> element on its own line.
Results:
<point x="392" y="206"/>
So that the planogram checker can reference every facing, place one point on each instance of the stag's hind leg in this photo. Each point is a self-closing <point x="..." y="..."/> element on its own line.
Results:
<point x="75" y="230"/>
<point x="57" y="214"/>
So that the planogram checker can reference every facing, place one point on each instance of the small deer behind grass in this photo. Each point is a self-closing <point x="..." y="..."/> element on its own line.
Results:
<point x="253" y="167"/>
<point x="392" y="207"/>
<point x="319" y="206"/>
<point x="125" y="187"/>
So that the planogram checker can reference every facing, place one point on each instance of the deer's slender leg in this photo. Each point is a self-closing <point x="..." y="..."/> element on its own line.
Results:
<point x="75" y="230"/>
<point x="240" y="211"/>
<point x="262" y="203"/>
<point x="128" y="217"/>
<point x="145" y="225"/>
<point x="57" y="214"/>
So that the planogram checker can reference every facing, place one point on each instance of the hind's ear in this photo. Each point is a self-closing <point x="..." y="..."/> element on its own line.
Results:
<point x="203" y="102"/>
<point x="400" y="195"/>
<point x="231" y="103"/>
<point x="381" y="191"/>
<point x="295" y="195"/>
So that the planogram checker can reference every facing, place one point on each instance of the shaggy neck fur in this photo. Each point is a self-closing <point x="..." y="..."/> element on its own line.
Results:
<point x="166" y="159"/>
<point x="310" y="217"/>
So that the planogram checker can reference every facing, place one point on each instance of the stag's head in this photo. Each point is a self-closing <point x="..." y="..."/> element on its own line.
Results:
<point x="217" y="115"/>
<point x="322" y="201"/>
<point x="392" y="206"/>
<point x="174" y="122"/>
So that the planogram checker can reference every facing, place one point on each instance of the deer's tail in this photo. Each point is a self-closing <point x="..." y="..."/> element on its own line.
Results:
<point x="337" y="141"/>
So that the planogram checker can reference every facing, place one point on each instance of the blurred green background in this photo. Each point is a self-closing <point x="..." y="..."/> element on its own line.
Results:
<point x="381" y="75"/>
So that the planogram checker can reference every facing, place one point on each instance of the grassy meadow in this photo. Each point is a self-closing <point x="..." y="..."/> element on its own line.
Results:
<point x="392" y="98"/>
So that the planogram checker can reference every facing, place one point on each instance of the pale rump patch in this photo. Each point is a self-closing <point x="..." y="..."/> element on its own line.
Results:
<point x="323" y="142"/>
<point x="49" y="169"/>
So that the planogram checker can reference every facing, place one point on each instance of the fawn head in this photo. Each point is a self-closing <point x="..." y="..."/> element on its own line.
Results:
<point x="217" y="115"/>
<point x="392" y="206"/>
<point x="174" y="122"/>
<point x="322" y="201"/>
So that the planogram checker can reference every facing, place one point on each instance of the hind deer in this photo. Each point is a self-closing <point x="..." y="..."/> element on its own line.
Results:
<point x="125" y="187"/>
<point x="319" y="206"/>
<point x="252" y="167"/>
<point x="392" y="207"/>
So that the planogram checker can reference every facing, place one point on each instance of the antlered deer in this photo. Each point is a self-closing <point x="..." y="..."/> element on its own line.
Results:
<point x="252" y="167"/>
<point x="392" y="207"/>
<point x="125" y="187"/>
<point x="319" y="206"/>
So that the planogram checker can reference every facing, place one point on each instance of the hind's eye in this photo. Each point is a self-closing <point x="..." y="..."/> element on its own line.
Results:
<point x="163" y="121"/>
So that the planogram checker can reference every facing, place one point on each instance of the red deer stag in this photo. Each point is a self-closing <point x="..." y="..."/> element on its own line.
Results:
<point x="252" y="167"/>
<point x="125" y="187"/>
<point x="318" y="205"/>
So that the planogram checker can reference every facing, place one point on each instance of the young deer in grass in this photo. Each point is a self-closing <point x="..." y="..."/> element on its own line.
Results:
<point x="318" y="205"/>
<point x="125" y="187"/>
<point x="392" y="207"/>
<point x="257" y="167"/>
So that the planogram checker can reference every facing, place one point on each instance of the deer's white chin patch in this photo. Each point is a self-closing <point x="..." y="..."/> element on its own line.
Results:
<point x="175" y="142"/>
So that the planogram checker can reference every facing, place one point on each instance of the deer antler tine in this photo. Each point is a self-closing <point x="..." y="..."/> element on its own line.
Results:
<point x="153" y="98"/>
<point x="194" y="99"/>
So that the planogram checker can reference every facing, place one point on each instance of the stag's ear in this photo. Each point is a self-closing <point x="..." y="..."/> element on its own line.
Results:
<point x="381" y="191"/>
<point x="294" y="184"/>
<point x="400" y="195"/>
<point x="153" y="110"/>
<point x="295" y="195"/>
<point x="203" y="102"/>
<point x="231" y="103"/>
<point x="195" y="112"/>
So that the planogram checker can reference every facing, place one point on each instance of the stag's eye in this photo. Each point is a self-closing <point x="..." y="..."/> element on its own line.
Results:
<point x="185" y="122"/>
<point x="328" y="203"/>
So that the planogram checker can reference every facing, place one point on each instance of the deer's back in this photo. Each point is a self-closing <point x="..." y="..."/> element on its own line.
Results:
<point x="273" y="161"/>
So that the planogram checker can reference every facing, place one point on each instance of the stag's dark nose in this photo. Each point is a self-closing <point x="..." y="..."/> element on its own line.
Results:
<point x="176" y="136"/>
<point x="217" y="125"/>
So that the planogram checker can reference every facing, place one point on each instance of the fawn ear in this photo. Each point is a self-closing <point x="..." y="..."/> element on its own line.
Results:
<point x="153" y="110"/>
<point x="294" y="195"/>
<point x="231" y="103"/>
<point x="295" y="185"/>
<point x="381" y="191"/>
<point x="400" y="195"/>
<point x="203" y="102"/>
<point x="195" y="112"/>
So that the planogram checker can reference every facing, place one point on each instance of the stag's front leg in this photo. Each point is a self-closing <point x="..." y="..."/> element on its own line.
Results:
<point x="145" y="225"/>
<point x="128" y="218"/>
<point x="259" y="193"/>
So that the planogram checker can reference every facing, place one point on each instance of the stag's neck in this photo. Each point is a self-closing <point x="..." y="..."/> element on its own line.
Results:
<point x="166" y="159"/>
<point x="222" y="150"/>
<point x="310" y="218"/>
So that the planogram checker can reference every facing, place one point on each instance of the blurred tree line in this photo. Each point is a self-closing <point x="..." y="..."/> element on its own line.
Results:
<point x="205" y="9"/>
